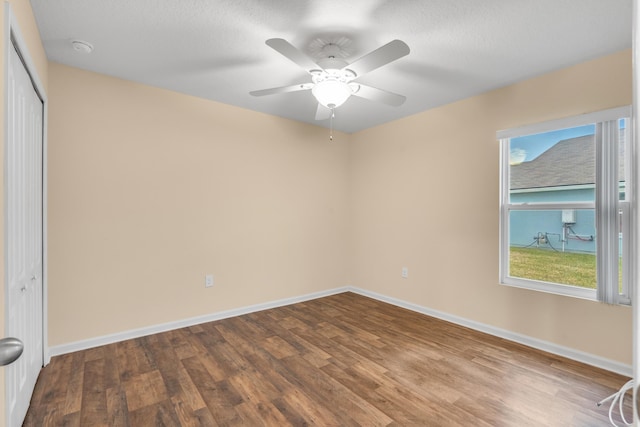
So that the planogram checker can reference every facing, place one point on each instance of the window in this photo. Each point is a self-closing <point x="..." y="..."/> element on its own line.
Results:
<point x="564" y="206"/>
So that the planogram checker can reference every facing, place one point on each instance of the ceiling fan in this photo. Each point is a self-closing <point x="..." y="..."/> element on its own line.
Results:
<point x="332" y="78"/>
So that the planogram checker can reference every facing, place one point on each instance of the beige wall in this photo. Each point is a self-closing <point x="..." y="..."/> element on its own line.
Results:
<point x="425" y="194"/>
<point x="26" y="23"/>
<point x="149" y="190"/>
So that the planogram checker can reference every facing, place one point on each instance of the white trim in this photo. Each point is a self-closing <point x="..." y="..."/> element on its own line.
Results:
<point x="605" y="204"/>
<point x="45" y="233"/>
<point x="5" y="137"/>
<point x="567" y="122"/>
<point x="21" y="44"/>
<point x="570" y="353"/>
<point x="550" y="288"/>
<point x="12" y="31"/>
<point x="558" y="188"/>
<point x="547" y="346"/>
<point x="550" y="206"/>
<point x="634" y="273"/>
<point x="164" y="327"/>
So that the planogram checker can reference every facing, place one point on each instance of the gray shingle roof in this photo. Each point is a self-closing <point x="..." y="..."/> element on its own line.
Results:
<point x="569" y="162"/>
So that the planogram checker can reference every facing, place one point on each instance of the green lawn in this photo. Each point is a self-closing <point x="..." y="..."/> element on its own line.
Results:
<point x="557" y="267"/>
<point x="550" y="266"/>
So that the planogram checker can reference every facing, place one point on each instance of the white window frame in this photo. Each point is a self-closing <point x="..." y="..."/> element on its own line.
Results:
<point x="605" y="264"/>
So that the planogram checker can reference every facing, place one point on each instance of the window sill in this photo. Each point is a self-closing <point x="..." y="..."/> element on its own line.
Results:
<point x="550" y="288"/>
<point x="556" y="289"/>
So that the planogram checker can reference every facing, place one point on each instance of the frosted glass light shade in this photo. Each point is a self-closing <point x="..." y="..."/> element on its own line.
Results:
<point x="331" y="93"/>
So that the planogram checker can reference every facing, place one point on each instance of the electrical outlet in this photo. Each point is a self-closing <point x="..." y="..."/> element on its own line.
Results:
<point x="405" y="272"/>
<point x="208" y="280"/>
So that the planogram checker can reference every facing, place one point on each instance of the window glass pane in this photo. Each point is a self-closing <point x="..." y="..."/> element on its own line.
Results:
<point x="556" y="246"/>
<point x="557" y="166"/>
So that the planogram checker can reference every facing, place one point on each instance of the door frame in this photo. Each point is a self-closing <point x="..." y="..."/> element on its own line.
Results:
<point x="635" y="211"/>
<point x="13" y="35"/>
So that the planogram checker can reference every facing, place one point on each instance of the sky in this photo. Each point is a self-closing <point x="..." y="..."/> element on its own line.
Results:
<point x="527" y="148"/>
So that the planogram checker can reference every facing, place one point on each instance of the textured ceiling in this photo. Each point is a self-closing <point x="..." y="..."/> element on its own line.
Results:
<point x="215" y="49"/>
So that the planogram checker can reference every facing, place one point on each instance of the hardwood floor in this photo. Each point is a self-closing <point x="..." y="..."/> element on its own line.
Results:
<point x="343" y="360"/>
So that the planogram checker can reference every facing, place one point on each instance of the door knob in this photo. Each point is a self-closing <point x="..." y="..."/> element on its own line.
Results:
<point x="10" y="350"/>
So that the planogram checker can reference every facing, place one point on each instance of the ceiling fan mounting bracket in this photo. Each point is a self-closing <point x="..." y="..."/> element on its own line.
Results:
<point x="330" y="45"/>
<point x="331" y="50"/>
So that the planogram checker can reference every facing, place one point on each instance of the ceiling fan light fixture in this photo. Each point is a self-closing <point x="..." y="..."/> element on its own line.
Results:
<point x="331" y="93"/>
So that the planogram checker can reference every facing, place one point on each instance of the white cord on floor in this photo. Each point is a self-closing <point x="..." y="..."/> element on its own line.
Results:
<point x="618" y="397"/>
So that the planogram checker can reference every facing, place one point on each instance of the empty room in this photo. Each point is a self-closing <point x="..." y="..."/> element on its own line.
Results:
<point x="300" y="213"/>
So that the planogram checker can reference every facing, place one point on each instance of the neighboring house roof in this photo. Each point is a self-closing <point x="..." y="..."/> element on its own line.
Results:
<point x="569" y="162"/>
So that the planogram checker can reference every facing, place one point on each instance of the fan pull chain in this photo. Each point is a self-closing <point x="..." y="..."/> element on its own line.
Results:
<point x="333" y="114"/>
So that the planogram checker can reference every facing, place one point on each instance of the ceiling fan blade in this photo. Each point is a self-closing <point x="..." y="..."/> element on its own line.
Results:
<point x="379" y="95"/>
<point x="283" y="89"/>
<point x="293" y="53"/>
<point x="322" y="113"/>
<point x="383" y="55"/>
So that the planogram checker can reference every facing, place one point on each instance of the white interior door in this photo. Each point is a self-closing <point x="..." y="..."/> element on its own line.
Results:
<point x="24" y="247"/>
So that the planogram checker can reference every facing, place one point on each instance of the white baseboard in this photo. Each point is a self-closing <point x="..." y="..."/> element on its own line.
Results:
<point x="149" y="330"/>
<point x="547" y="346"/>
<point x="570" y="353"/>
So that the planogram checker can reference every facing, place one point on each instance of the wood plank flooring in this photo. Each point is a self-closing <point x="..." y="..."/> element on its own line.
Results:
<point x="343" y="360"/>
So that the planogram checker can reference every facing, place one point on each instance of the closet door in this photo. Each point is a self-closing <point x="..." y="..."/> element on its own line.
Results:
<point x="23" y="221"/>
